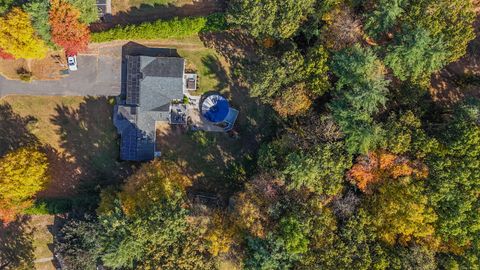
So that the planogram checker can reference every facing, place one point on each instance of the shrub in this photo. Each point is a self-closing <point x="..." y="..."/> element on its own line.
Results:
<point x="162" y="29"/>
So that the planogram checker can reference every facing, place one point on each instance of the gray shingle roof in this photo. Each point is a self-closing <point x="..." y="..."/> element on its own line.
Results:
<point x="152" y="83"/>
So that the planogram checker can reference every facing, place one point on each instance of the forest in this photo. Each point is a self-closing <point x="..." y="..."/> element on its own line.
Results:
<point x="364" y="169"/>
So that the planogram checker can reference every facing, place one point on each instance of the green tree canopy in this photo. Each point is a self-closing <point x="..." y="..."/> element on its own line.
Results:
<point x="88" y="10"/>
<point x="38" y="11"/>
<point x="320" y="171"/>
<point x="270" y="18"/>
<point x="417" y="55"/>
<point x="454" y="180"/>
<point x="360" y="91"/>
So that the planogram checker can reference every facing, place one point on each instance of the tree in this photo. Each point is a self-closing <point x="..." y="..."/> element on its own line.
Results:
<point x="18" y="38"/>
<point x="404" y="136"/>
<point x="38" y="12"/>
<point x="279" y="19"/>
<point x="78" y="244"/>
<point x="252" y="207"/>
<point x="5" y="55"/>
<point x="320" y="171"/>
<point x="293" y="101"/>
<point x="454" y="179"/>
<point x="316" y="69"/>
<point x="417" y="55"/>
<point x="380" y="166"/>
<point x="67" y="31"/>
<point x="448" y="20"/>
<point x="23" y="173"/>
<point x="400" y="211"/>
<point x="384" y="16"/>
<point x="355" y="246"/>
<point x="342" y="29"/>
<point x="88" y="10"/>
<point x="5" y="5"/>
<point x="146" y="225"/>
<point x="271" y="75"/>
<point x="360" y="91"/>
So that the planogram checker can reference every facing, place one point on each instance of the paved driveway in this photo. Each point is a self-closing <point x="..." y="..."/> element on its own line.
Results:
<point x="96" y="76"/>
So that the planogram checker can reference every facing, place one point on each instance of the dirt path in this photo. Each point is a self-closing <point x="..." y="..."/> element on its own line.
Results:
<point x="151" y="13"/>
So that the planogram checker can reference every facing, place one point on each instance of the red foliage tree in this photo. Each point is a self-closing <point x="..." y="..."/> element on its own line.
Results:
<point x="67" y="31"/>
<point x="5" y="55"/>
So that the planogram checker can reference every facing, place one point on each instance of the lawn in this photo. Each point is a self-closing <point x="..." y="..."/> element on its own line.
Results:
<point x="209" y="68"/>
<point x="78" y="136"/>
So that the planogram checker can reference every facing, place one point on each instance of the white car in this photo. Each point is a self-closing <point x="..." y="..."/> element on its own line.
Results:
<point x="72" y="62"/>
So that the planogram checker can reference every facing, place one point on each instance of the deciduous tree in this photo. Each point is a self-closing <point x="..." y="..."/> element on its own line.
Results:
<point x="23" y="173"/>
<point x="18" y="38"/>
<point x="454" y="182"/>
<point x="67" y="31"/>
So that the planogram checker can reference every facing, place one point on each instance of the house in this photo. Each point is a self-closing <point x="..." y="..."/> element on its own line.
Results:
<point x="153" y="86"/>
<point x="154" y="91"/>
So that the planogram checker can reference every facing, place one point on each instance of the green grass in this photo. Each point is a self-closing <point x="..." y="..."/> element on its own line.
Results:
<point x="208" y="66"/>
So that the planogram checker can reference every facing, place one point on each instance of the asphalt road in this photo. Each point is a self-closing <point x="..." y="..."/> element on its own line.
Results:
<point x="96" y="76"/>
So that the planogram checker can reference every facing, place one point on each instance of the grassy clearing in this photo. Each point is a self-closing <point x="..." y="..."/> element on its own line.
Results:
<point x="42" y="108"/>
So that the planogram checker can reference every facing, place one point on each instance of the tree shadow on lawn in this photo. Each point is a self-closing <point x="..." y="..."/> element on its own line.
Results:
<point x="215" y="68"/>
<point x="14" y="131"/>
<point x="204" y="157"/>
<point x="16" y="244"/>
<point x="90" y="157"/>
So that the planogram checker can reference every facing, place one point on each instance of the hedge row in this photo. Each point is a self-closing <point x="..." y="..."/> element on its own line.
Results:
<point x="161" y="29"/>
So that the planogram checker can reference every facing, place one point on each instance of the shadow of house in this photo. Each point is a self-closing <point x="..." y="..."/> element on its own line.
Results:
<point x="14" y="131"/>
<point x="148" y="13"/>
<point x="16" y="244"/>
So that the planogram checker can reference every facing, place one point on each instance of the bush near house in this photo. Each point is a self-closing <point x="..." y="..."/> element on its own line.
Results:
<point x="162" y="29"/>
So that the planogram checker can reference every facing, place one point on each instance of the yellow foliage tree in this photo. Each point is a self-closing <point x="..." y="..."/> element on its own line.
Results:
<point x="401" y="212"/>
<point x="293" y="101"/>
<point x="23" y="173"/>
<point x="155" y="181"/>
<point x="220" y="235"/>
<point x="18" y="38"/>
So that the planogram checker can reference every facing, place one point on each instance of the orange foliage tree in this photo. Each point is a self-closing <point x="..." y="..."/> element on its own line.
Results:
<point x="378" y="166"/>
<point x="67" y="31"/>
<point x="5" y="55"/>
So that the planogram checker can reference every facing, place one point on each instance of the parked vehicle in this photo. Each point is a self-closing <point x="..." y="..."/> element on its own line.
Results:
<point x="72" y="62"/>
